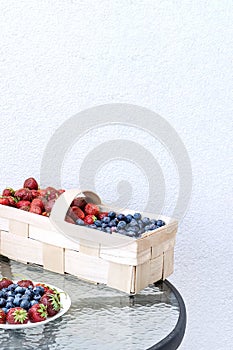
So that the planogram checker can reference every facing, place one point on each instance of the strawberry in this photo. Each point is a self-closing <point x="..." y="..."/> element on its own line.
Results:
<point x="102" y="215"/>
<point x="91" y="209"/>
<point x="2" y="317"/>
<point x="12" y="201"/>
<point x="79" y="202"/>
<point x="49" y="205"/>
<point x="25" y="208"/>
<point x="23" y="203"/>
<point x="38" y="203"/>
<point x="5" y="282"/>
<point x="76" y="213"/>
<point x="17" y="315"/>
<point x="35" y="193"/>
<point x="52" y="301"/>
<point x="25" y="283"/>
<point x="23" y="194"/>
<point x="31" y="184"/>
<point x="4" y="200"/>
<point x="69" y="219"/>
<point x="60" y="191"/>
<point x="35" y="209"/>
<point x="8" y="192"/>
<point x="38" y="313"/>
<point x="89" y="219"/>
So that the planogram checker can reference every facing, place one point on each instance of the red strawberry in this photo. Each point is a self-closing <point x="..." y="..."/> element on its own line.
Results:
<point x="12" y="201"/>
<point x="4" y="200"/>
<point x="76" y="213"/>
<point x="5" y="282"/>
<point x="17" y="315"/>
<point x="102" y="215"/>
<point x="52" y="301"/>
<point x="31" y="183"/>
<point x="92" y="209"/>
<point x="25" y="283"/>
<point x="38" y="202"/>
<point x="25" y="208"/>
<point x="2" y="317"/>
<point x="23" y="194"/>
<point x="60" y="191"/>
<point x="89" y="219"/>
<point x="23" y="203"/>
<point x="79" y="202"/>
<point x="35" y="209"/>
<point x="38" y="313"/>
<point x="8" y="192"/>
<point x="35" y="193"/>
<point x="49" y="205"/>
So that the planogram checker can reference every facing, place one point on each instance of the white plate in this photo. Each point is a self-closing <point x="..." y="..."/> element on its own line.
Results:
<point x="65" y="302"/>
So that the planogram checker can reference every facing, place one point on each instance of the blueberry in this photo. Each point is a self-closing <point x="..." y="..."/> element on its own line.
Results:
<point x="2" y="294"/>
<point x="128" y="218"/>
<point x="112" y="223"/>
<point x="20" y="290"/>
<point x="137" y="216"/>
<point x="33" y="302"/>
<point x="141" y="231"/>
<point x="146" y="221"/>
<point x="121" y="224"/>
<point x="9" y="305"/>
<point x="98" y="223"/>
<point x="160" y="223"/>
<point x="130" y="234"/>
<point x="80" y="222"/>
<point x="103" y="225"/>
<point x="106" y="220"/>
<point x="141" y="225"/>
<point x="2" y="302"/>
<point x="147" y="228"/>
<point x="17" y="301"/>
<point x="135" y="229"/>
<point x="4" y="290"/>
<point x="12" y="286"/>
<point x="121" y="217"/>
<point x="10" y="293"/>
<point x="133" y="222"/>
<point x="29" y="293"/>
<point x="10" y="299"/>
<point x="92" y="226"/>
<point x="108" y="230"/>
<point x="153" y="222"/>
<point x="25" y="304"/>
<point x="112" y="215"/>
<point x="99" y="228"/>
<point x="38" y="290"/>
<point x="37" y="297"/>
<point x="153" y="227"/>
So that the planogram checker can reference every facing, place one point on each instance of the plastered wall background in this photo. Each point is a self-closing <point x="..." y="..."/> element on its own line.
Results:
<point x="58" y="58"/>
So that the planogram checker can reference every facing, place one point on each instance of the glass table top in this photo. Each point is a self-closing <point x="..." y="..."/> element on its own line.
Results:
<point x="99" y="317"/>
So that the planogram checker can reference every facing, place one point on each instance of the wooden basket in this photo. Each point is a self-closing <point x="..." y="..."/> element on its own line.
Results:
<point x="121" y="262"/>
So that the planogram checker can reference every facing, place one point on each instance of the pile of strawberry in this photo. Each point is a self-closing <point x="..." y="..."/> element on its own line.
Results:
<point x="23" y="301"/>
<point x="30" y="198"/>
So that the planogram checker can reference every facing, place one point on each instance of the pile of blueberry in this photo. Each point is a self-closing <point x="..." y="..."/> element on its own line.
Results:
<point x="17" y="296"/>
<point x="128" y="225"/>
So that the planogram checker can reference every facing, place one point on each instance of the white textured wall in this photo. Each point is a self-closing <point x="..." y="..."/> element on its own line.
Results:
<point x="173" y="57"/>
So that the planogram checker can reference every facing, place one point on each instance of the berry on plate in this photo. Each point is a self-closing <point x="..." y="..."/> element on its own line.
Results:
<point x="92" y="209"/>
<point x="5" y="282"/>
<point x="52" y="301"/>
<point x="2" y="317"/>
<point x="25" y="283"/>
<point x="17" y="315"/>
<point x="38" y="313"/>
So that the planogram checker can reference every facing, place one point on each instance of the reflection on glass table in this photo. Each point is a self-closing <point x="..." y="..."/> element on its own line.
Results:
<point x="100" y="317"/>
